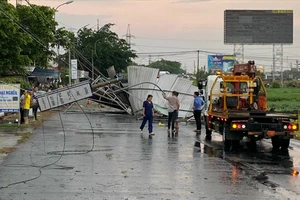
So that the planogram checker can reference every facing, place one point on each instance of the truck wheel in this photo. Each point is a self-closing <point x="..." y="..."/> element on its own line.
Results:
<point x="226" y="142"/>
<point x="207" y="131"/>
<point x="275" y="144"/>
<point x="284" y="143"/>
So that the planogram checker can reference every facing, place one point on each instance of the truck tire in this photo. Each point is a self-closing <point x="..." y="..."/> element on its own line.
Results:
<point x="226" y="142"/>
<point x="275" y="144"/>
<point x="284" y="143"/>
<point x="207" y="131"/>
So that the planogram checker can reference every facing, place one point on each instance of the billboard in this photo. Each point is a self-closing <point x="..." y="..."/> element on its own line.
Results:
<point x="258" y="27"/>
<point x="9" y="98"/>
<point x="220" y="62"/>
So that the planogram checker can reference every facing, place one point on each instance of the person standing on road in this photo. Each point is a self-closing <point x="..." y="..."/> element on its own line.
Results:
<point x="176" y="118"/>
<point x="26" y="106"/>
<point x="172" y="110"/>
<point x="148" y="113"/>
<point x="197" y="107"/>
<point x="21" y="107"/>
<point x="34" y="100"/>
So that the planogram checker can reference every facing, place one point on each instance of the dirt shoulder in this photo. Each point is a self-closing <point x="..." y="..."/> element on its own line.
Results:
<point x="11" y="134"/>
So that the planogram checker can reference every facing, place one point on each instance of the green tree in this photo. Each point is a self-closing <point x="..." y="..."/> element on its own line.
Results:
<point x="39" y="22"/>
<point x="12" y="41"/>
<point x="105" y="48"/>
<point x="173" y="67"/>
<point x="63" y="39"/>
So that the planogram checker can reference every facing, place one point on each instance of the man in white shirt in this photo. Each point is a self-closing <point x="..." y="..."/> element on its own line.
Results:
<point x="172" y="110"/>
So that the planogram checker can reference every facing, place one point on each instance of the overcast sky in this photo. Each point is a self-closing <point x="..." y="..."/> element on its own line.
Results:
<point x="175" y="25"/>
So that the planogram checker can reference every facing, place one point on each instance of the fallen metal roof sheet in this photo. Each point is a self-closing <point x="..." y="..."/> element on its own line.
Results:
<point x="183" y="86"/>
<point x="140" y="75"/>
<point x="139" y="83"/>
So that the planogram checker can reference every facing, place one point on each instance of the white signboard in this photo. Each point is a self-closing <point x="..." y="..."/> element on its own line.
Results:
<point x="65" y="95"/>
<point x="74" y="68"/>
<point x="9" y="97"/>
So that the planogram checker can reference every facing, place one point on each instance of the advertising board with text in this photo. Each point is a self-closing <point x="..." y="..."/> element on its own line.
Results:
<point x="220" y="62"/>
<point x="65" y="95"/>
<point x="10" y="98"/>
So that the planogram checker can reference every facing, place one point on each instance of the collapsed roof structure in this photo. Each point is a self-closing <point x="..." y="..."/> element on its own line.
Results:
<point x="141" y="82"/>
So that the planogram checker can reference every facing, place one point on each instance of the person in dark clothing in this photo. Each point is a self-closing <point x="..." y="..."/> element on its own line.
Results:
<point x="197" y="107"/>
<point x="148" y="113"/>
<point x="21" y="107"/>
<point x="35" y="108"/>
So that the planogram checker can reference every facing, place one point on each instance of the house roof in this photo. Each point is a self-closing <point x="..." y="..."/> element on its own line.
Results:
<point x="47" y="73"/>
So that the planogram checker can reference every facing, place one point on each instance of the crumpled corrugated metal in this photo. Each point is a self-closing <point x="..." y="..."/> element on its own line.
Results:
<point x="144" y="76"/>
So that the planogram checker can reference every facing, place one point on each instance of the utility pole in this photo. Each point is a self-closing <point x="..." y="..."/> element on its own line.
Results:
<point x="70" y="68"/>
<point x="198" y="63"/>
<point x="93" y="65"/>
<point x="149" y="59"/>
<point x="97" y="24"/>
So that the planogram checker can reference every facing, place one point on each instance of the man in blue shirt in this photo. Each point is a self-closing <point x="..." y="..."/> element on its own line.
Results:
<point x="148" y="113"/>
<point x="198" y="106"/>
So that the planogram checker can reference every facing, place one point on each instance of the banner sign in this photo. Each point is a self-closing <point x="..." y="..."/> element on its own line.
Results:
<point x="9" y="97"/>
<point x="65" y="95"/>
<point x="220" y="62"/>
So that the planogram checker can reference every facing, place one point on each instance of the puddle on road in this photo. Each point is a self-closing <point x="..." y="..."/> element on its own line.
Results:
<point x="256" y="164"/>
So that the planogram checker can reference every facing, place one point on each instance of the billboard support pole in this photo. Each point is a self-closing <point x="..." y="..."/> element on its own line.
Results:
<point x="277" y="61"/>
<point x="238" y="51"/>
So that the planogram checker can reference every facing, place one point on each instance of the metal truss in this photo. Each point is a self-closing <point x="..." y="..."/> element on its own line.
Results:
<point x="277" y="61"/>
<point x="238" y="51"/>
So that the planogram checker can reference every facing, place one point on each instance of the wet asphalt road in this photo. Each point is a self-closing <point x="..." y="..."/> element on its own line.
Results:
<point x="125" y="164"/>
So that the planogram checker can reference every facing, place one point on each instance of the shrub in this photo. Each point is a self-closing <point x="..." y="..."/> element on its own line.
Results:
<point x="275" y="84"/>
<point x="291" y="84"/>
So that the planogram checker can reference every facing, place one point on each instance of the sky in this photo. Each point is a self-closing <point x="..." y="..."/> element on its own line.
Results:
<point x="175" y="25"/>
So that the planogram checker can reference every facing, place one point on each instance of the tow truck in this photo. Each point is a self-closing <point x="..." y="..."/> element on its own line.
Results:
<point x="236" y="107"/>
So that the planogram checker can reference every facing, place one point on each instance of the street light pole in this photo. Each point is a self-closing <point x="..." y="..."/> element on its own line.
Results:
<point x="67" y="2"/>
<point x="56" y="10"/>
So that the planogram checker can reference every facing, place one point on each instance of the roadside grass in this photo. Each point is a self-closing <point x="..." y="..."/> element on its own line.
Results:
<point x="7" y="125"/>
<point x="284" y="99"/>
